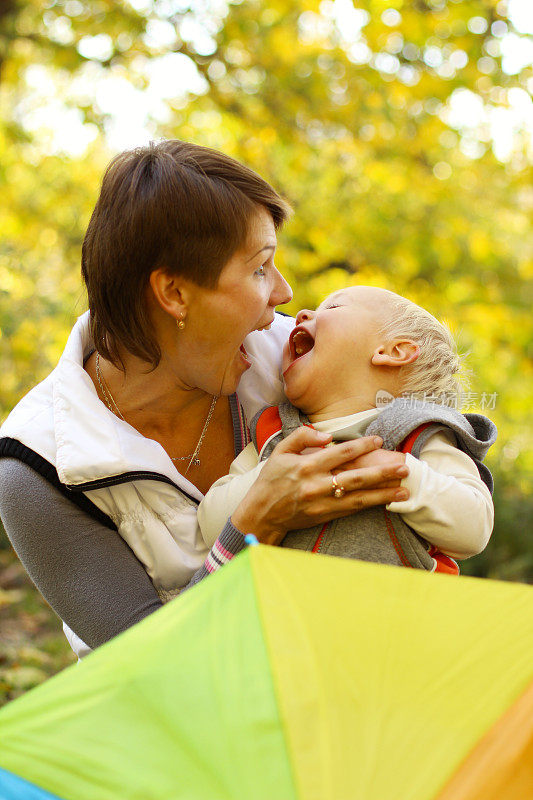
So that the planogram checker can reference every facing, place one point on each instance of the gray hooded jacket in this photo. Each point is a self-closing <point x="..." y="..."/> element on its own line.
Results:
<point x="375" y="534"/>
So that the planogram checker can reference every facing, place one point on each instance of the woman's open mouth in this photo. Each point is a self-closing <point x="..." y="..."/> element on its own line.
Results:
<point x="244" y="355"/>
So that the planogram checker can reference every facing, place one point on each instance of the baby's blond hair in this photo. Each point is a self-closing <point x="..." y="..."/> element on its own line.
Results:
<point x="438" y="373"/>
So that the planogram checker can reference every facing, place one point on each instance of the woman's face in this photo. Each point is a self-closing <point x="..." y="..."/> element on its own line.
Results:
<point x="218" y="320"/>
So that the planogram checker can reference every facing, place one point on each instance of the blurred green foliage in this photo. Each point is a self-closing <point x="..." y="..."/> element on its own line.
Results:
<point x="348" y="110"/>
<point x="32" y="646"/>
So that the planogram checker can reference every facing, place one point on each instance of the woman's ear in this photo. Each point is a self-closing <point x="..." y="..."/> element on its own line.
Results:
<point x="396" y="353"/>
<point x="169" y="292"/>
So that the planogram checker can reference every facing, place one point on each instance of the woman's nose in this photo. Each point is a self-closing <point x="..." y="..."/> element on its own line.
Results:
<point x="304" y="316"/>
<point x="281" y="291"/>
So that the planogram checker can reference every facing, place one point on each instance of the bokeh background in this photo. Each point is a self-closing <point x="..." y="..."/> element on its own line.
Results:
<point x="400" y="130"/>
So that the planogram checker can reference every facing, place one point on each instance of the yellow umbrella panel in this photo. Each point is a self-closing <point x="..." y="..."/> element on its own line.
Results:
<point x="388" y="678"/>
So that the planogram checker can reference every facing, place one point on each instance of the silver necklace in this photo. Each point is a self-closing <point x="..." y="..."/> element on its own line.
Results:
<point x="111" y="404"/>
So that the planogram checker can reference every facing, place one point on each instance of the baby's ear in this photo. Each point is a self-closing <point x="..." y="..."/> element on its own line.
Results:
<point x="396" y="353"/>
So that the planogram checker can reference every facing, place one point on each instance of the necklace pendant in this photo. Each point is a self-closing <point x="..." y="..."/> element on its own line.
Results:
<point x="196" y="462"/>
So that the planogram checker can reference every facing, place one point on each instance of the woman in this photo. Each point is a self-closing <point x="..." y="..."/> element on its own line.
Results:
<point x="140" y="416"/>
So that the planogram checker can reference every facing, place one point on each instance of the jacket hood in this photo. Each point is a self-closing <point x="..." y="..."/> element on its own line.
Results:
<point x="474" y="433"/>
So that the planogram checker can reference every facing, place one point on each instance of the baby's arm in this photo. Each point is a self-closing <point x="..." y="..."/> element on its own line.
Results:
<point x="226" y="494"/>
<point x="449" y="505"/>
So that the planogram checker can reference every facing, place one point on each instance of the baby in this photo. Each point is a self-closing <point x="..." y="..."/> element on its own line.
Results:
<point x="363" y="344"/>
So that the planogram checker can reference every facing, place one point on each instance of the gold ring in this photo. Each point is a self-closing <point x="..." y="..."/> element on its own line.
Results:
<point x="338" y="491"/>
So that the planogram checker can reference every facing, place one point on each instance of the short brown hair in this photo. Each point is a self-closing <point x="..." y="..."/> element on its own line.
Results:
<point x="170" y="204"/>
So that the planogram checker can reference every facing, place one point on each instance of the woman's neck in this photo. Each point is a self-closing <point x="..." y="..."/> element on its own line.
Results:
<point x="180" y="418"/>
<point x="148" y="399"/>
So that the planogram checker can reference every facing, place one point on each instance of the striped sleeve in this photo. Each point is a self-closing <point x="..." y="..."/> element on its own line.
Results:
<point x="229" y="543"/>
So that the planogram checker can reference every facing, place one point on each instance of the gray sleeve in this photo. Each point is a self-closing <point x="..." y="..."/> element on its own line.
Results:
<point x="85" y="571"/>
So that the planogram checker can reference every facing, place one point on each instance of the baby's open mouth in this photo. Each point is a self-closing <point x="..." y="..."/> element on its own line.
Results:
<point x="300" y="343"/>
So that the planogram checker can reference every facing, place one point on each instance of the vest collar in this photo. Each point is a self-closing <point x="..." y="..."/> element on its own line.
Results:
<point x="92" y="443"/>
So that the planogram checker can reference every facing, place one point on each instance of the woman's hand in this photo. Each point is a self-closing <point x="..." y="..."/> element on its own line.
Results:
<point x="295" y="489"/>
<point x="376" y="458"/>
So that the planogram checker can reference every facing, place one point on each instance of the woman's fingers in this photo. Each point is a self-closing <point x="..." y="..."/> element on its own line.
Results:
<point x="295" y="489"/>
<point x="369" y="477"/>
<point x="301" y="438"/>
<point x="330" y="456"/>
<point x="337" y="455"/>
<point x="317" y="468"/>
<point x="358" y="493"/>
<point x="356" y="501"/>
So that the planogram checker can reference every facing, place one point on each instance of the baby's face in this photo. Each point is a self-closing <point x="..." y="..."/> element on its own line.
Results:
<point x="331" y="347"/>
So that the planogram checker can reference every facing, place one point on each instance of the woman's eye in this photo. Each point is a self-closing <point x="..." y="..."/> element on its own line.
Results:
<point x="261" y="270"/>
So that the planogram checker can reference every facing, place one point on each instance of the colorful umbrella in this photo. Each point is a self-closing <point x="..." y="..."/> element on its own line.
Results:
<point x="292" y="676"/>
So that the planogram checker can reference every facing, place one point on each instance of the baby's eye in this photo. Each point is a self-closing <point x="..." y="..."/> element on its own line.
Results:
<point x="333" y="305"/>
